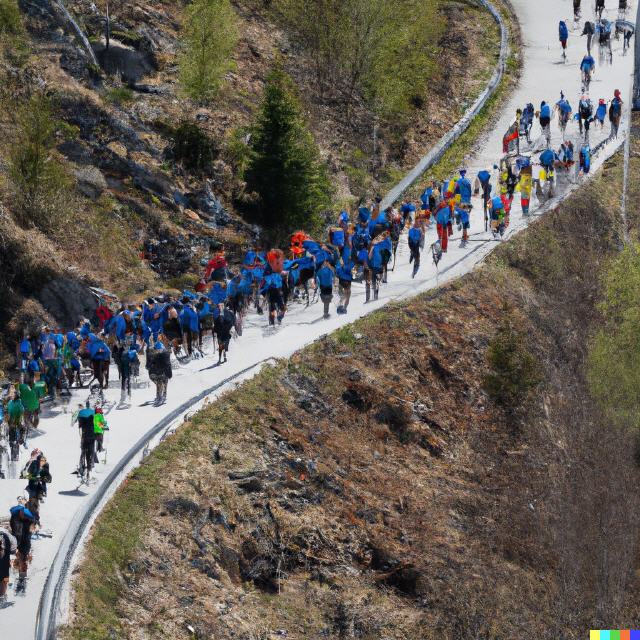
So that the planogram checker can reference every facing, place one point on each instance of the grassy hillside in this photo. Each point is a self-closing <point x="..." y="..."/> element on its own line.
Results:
<point x="438" y="469"/>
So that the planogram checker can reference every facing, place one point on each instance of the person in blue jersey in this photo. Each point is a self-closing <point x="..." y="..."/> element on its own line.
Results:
<point x="415" y="242"/>
<point x="563" y="33"/>
<point x="563" y="107"/>
<point x="190" y="324"/>
<point x="272" y="289"/>
<point x="407" y="210"/>
<point x="325" y="275"/>
<point x="378" y="259"/>
<point x="587" y="67"/>
<point x="100" y="356"/>
<point x="545" y="121"/>
<point x="585" y="159"/>
<point x="344" y="272"/>
<point x="483" y="184"/>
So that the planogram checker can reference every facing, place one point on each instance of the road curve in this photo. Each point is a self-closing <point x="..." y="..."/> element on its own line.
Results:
<point x="50" y="607"/>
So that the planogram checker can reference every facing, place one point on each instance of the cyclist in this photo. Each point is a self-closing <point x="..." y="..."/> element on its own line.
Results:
<point x="86" y="425"/>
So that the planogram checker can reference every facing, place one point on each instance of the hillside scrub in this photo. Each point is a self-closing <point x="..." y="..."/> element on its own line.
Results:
<point x="40" y="185"/>
<point x="371" y="471"/>
<point x="210" y="35"/>
<point x="383" y="50"/>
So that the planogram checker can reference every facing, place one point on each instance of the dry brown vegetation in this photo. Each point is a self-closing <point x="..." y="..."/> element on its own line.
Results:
<point x="369" y="487"/>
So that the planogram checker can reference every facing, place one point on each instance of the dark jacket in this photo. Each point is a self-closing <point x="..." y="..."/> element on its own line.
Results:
<point x="38" y="477"/>
<point x="223" y="325"/>
<point x="172" y="329"/>
<point x="159" y="363"/>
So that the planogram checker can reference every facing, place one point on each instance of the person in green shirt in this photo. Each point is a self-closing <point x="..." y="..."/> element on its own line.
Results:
<point x="15" y="411"/>
<point x="31" y="403"/>
<point x="99" y="427"/>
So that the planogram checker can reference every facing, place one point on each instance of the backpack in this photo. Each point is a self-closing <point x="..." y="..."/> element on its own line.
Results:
<point x="586" y="109"/>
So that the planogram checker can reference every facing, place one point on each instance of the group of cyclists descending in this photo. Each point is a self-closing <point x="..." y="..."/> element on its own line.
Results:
<point x="601" y="28"/>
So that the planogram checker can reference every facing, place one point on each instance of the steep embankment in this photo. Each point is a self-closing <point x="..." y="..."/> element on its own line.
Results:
<point x="435" y="470"/>
<point x="128" y="214"/>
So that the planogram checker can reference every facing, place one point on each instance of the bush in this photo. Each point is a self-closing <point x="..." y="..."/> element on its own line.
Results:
<point x="10" y="18"/>
<point x="285" y="169"/>
<point x="210" y="37"/>
<point x="513" y="369"/>
<point x="38" y="179"/>
<point x="193" y="148"/>
<point x="119" y="95"/>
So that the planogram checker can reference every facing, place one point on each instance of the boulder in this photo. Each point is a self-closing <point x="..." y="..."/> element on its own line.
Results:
<point x="67" y="300"/>
<point x="91" y="182"/>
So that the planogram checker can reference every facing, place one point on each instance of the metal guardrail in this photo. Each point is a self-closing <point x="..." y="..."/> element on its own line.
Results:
<point x="436" y="152"/>
<point x="635" y="103"/>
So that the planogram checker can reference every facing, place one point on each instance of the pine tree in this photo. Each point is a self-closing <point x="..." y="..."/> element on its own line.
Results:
<point x="285" y="168"/>
<point x="210" y="37"/>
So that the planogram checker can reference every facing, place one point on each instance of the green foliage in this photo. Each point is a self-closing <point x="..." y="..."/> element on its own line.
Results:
<point x="236" y="151"/>
<point x="513" y="369"/>
<point x="119" y="95"/>
<point x="10" y="18"/>
<point x="38" y="180"/>
<point x="193" y="148"/>
<point x="285" y="169"/>
<point x="210" y="35"/>
<point x="383" y="50"/>
<point x="614" y="356"/>
<point x="13" y="38"/>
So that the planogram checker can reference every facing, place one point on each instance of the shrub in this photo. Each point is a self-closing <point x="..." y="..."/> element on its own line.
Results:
<point x="38" y="179"/>
<point x="192" y="148"/>
<point x="210" y="36"/>
<point x="119" y="95"/>
<point x="513" y="369"/>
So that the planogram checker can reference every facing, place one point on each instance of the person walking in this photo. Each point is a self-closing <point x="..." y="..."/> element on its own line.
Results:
<point x="86" y="427"/>
<point x="160" y="372"/>
<point x="325" y="276"/>
<point x="223" y="325"/>
<point x="589" y="30"/>
<point x="415" y="241"/>
<point x="8" y="547"/>
<point x="563" y="33"/>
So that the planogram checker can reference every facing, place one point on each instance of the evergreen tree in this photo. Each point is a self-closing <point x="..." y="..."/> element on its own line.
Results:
<point x="38" y="179"/>
<point x="210" y="37"/>
<point x="285" y="169"/>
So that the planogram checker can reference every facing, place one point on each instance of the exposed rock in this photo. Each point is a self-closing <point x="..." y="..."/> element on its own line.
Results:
<point x="67" y="300"/>
<point x="91" y="182"/>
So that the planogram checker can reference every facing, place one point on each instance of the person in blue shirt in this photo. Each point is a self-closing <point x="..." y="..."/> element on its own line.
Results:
<point x="378" y="259"/>
<point x="483" y="181"/>
<point x="545" y="121"/>
<point x="272" y="289"/>
<point x="324" y="277"/>
<point x="407" y="209"/>
<point x="601" y="112"/>
<point x="415" y="240"/>
<point x="563" y="108"/>
<point x="497" y="216"/>
<point x="190" y="323"/>
<point x="563" y="33"/>
<point x="100" y="356"/>
<point x="344" y="271"/>
<point x="585" y="159"/>
<point x="463" y="189"/>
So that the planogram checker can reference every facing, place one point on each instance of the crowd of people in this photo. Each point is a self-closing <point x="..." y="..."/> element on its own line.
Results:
<point x="168" y="330"/>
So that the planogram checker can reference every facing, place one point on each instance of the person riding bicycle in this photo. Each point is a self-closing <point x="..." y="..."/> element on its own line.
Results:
<point x="86" y="425"/>
<point x="587" y="66"/>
